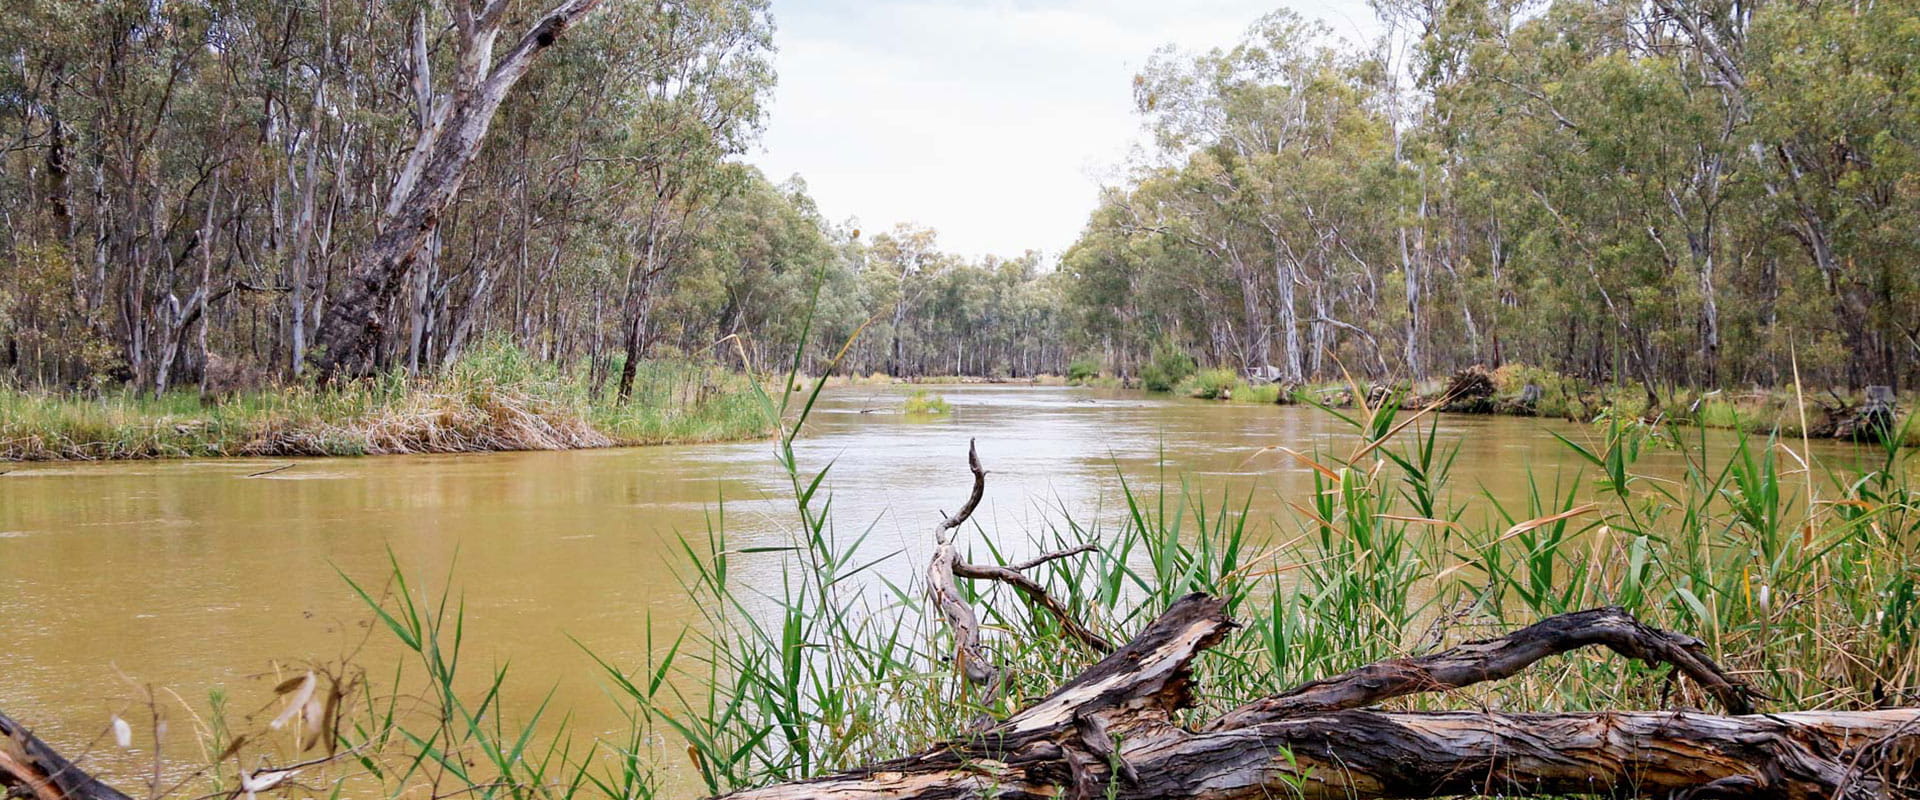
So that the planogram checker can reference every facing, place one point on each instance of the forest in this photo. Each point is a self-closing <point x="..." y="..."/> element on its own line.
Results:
<point x="231" y="195"/>
<point x="242" y="233"/>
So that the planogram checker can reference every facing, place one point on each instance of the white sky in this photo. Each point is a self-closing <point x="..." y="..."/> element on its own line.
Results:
<point x="992" y="121"/>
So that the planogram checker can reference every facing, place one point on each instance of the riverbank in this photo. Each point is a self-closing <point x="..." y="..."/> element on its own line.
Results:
<point x="494" y="399"/>
<point x="1519" y="390"/>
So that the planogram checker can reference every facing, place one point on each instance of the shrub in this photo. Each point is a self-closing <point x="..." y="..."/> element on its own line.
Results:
<point x="1214" y="383"/>
<point x="925" y="402"/>
<point x="1264" y="394"/>
<point x="1559" y="395"/>
<point x="1168" y="368"/>
<point x="1082" y="369"/>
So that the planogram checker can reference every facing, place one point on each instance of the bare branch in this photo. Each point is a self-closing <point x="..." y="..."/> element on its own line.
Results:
<point x="1496" y="659"/>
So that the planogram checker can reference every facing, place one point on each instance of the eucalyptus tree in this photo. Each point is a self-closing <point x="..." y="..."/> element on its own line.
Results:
<point x="456" y="116"/>
<point x="1676" y="193"/>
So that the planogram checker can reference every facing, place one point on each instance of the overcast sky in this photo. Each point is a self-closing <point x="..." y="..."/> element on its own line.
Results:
<point x="991" y="121"/>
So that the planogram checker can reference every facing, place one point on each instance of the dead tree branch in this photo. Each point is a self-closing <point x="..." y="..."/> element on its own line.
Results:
<point x="1113" y="732"/>
<point x="31" y="769"/>
<point x="946" y="565"/>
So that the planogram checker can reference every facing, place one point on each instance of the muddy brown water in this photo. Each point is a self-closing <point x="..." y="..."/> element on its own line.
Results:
<point x="190" y="576"/>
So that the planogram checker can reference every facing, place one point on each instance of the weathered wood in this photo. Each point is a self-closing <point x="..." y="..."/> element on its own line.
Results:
<point x="1372" y="754"/>
<point x="31" y="769"/>
<point x="946" y="565"/>
<point x="945" y="593"/>
<point x="1113" y="732"/>
<point x="1117" y="722"/>
<point x="1038" y="596"/>
<point x="1495" y="659"/>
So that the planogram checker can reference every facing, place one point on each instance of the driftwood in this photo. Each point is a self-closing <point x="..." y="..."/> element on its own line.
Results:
<point x="946" y="565"/>
<point x="1114" y="732"/>
<point x="1872" y="421"/>
<point x="31" y="769"/>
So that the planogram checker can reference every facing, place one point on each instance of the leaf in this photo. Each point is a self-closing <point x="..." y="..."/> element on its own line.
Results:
<point x="1537" y="522"/>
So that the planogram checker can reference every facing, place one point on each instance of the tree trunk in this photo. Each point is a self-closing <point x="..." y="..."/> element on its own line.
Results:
<point x="431" y="178"/>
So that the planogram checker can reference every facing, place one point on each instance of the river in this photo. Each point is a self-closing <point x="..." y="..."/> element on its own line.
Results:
<point x="187" y="576"/>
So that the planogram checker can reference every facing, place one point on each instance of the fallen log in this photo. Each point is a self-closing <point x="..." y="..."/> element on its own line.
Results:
<point x="31" y="769"/>
<point x="1114" y="731"/>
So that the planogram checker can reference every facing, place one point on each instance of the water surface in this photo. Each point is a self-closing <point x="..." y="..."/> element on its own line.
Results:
<point x="191" y="575"/>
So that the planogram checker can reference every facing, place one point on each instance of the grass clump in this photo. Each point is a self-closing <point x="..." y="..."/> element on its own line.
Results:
<point x="1221" y="383"/>
<point x="493" y="398"/>
<point x="1213" y="383"/>
<point x="925" y="403"/>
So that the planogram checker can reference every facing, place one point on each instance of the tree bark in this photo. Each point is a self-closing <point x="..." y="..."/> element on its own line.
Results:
<point x="31" y="769"/>
<point x="1113" y="732"/>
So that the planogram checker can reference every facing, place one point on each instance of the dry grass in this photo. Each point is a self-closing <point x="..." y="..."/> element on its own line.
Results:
<point x="496" y="399"/>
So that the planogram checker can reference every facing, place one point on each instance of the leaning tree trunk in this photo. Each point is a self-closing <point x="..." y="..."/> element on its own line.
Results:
<point x="446" y="145"/>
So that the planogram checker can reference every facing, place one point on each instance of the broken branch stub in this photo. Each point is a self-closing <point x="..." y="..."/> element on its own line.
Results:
<point x="31" y="769"/>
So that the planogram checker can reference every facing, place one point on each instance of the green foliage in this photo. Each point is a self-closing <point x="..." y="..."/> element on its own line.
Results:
<point x="496" y="397"/>
<point x="1083" y="369"/>
<point x="926" y="403"/>
<point x="1214" y="383"/>
<point x="1585" y="185"/>
<point x="1168" y="368"/>
<point x="1803" y="591"/>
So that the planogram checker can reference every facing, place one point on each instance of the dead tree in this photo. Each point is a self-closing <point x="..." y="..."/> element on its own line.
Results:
<point x="1116" y="730"/>
<point x="446" y="145"/>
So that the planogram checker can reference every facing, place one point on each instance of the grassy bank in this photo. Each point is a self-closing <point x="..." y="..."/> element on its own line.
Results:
<point x="1800" y="581"/>
<point x="495" y="398"/>
<point x="1764" y="411"/>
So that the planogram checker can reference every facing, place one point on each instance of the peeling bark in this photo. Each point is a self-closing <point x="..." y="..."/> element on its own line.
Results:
<point x="31" y="769"/>
<point x="946" y="565"/>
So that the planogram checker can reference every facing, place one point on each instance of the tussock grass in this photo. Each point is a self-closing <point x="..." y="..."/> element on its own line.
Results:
<point x="495" y="398"/>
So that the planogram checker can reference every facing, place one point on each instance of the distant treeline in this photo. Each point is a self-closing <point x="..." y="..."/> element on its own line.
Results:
<point x="1662" y="192"/>
<point x="191" y="189"/>
<point x="1665" y="193"/>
